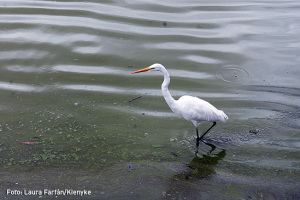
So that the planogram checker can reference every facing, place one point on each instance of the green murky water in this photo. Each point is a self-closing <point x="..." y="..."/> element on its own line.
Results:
<point x="67" y="91"/>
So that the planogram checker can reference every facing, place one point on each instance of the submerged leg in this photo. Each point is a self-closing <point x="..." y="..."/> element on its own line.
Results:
<point x="214" y="123"/>
<point x="213" y="147"/>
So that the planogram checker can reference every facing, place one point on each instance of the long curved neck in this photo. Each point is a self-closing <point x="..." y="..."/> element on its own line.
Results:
<point x="165" y="91"/>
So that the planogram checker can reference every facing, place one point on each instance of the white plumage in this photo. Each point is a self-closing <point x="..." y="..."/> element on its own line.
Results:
<point x="190" y="108"/>
<point x="198" y="111"/>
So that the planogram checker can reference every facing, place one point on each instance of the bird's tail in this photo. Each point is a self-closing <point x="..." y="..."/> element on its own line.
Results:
<point x="223" y="116"/>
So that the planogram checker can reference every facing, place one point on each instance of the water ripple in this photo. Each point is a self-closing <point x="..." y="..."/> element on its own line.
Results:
<point x="20" y="87"/>
<point x="89" y="69"/>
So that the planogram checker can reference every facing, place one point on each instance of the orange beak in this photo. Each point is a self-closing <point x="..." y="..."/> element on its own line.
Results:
<point x="142" y="70"/>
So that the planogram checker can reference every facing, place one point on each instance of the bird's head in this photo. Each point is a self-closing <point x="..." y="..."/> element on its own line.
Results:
<point x="154" y="67"/>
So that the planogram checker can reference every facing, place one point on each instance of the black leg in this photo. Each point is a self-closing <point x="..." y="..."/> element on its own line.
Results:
<point x="214" y="123"/>
<point x="198" y="139"/>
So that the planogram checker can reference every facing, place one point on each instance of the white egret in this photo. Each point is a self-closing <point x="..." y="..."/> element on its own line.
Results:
<point x="191" y="108"/>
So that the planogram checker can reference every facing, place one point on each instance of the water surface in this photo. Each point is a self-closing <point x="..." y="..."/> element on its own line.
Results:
<point x="66" y="85"/>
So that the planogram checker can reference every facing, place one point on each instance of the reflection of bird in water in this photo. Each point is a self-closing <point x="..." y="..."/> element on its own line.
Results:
<point x="191" y="108"/>
<point x="203" y="167"/>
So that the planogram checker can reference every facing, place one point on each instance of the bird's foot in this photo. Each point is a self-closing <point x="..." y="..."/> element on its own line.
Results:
<point x="198" y="140"/>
